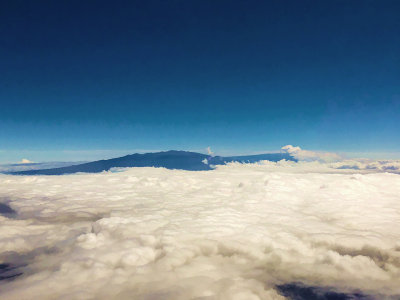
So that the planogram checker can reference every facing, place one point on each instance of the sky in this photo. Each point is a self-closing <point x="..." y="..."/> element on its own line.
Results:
<point x="84" y="80"/>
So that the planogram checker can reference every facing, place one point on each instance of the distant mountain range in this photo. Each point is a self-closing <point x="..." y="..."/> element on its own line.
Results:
<point x="182" y="160"/>
<point x="8" y="168"/>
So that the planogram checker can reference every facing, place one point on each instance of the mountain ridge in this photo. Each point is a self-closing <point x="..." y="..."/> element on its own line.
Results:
<point x="171" y="159"/>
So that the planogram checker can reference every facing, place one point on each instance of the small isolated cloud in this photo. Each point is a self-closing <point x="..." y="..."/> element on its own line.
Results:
<point x="209" y="151"/>
<point x="306" y="155"/>
<point x="25" y="161"/>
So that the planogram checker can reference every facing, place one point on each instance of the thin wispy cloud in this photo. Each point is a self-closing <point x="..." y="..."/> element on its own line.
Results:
<point x="209" y="152"/>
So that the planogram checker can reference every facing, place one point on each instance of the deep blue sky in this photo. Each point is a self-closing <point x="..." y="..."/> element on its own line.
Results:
<point x="239" y="76"/>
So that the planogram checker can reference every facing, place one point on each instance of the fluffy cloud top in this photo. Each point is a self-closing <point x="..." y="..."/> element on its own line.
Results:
<point x="237" y="232"/>
<point x="306" y="155"/>
<point x="25" y="161"/>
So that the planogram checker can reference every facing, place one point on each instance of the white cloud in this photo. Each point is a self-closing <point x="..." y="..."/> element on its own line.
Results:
<point x="335" y="161"/>
<point x="209" y="151"/>
<point x="306" y="155"/>
<point x="232" y="233"/>
<point x="391" y="166"/>
<point x="25" y="161"/>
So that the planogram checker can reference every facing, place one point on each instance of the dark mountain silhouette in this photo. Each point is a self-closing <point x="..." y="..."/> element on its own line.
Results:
<point x="182" y="160"/>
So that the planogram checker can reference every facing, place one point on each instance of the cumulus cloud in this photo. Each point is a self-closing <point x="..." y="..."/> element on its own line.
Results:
<point x="240" y="231"/>
<point x="307" y="155"/>
<point x="330" y="160"/>
<point x="25" y="161"/>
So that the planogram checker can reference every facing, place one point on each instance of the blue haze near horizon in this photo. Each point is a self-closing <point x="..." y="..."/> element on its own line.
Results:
<point x="239" y="76"/>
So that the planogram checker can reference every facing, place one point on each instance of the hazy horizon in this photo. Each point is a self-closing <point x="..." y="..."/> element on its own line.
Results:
<point x="44" y="156"/>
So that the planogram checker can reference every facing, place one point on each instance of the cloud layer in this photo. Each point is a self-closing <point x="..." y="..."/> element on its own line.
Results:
<point x="306" y="155"/>
<point x="236" y="232"/>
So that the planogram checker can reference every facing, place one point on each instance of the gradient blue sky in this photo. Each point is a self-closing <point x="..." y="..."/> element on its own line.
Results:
<point x="91" y="79"/>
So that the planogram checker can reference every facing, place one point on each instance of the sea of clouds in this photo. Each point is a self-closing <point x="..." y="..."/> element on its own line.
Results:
<point x="241" y="231"/>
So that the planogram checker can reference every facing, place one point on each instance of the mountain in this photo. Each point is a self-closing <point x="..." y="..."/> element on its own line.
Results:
<point x="182" y="160"/>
